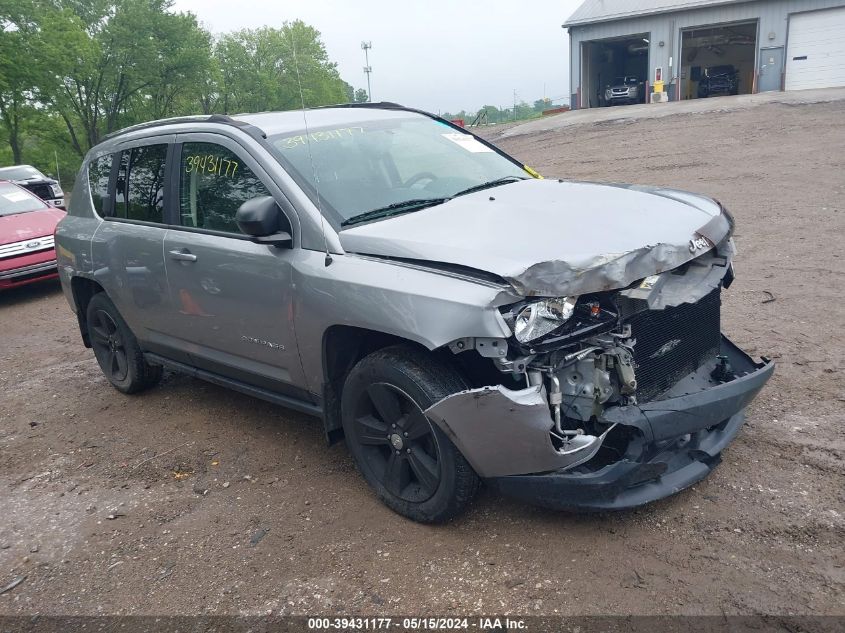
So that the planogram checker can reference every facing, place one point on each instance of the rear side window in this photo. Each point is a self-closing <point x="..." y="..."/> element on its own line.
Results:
<point x="214" y="182"/>
<point x="139" y="194"/>
<point x="99" y="171"/>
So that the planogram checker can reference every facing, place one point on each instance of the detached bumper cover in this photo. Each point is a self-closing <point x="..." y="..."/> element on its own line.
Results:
<point x="678" y="440"/>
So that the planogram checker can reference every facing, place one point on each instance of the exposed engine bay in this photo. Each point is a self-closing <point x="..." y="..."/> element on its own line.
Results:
<point x="614" y="349"/>
<point x="594" y="359"/>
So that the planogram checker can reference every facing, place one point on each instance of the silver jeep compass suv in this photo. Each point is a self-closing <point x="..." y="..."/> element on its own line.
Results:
<point x="450" y="314"/>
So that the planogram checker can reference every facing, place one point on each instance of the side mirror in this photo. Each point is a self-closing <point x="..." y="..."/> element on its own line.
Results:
<point x="260" y="218"/>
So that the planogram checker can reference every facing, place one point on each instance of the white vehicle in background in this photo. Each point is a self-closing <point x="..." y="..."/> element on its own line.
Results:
<point x="28" y="177"/>
<point x="625" y="90"/>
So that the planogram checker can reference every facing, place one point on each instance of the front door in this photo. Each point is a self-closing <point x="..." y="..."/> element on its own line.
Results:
<point x="771" y="69"/>
<point x="232" y="299"/>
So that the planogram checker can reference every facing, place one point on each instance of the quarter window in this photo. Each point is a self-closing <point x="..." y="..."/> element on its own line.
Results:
<point x="99" y="171"/>
<point x="140" y="184"/>
<point x="214" y="182"/>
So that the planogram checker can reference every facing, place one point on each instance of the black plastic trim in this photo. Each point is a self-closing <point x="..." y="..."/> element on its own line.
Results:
<point x="157" y="225"/>
<point x="683" y="440"/>
<point x="224" y="119"/>
<point x="257" y="392"/>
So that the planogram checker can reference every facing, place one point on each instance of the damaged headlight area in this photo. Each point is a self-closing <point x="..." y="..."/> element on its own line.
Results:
<point x="543" y="324"/>
<point x="539" y="318"/>
<point x="611" y="399"/>
<point x="588" y="356"/>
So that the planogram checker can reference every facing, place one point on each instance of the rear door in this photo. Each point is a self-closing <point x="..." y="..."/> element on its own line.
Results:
<point x="232" y="299"/>
<point x="127" y="246"/>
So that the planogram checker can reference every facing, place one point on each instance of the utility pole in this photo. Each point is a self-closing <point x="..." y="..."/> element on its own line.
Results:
<point x="366" y="46"/>
<point x="514" y="104"/>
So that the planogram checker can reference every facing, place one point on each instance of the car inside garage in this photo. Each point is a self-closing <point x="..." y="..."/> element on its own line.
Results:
<point x="611" y="61"/>
<point x="816" y="53"/>
<point x="718" y="60"/>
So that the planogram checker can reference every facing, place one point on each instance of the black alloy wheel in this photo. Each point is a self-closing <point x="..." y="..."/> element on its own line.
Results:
<point x="116" y="349"/>
<point x="108" y="346"/>
<point x="410" y="463"/>
<point x="398" y="442"/>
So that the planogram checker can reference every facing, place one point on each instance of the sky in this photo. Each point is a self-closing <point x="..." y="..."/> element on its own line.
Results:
<point x="435" y="55"/>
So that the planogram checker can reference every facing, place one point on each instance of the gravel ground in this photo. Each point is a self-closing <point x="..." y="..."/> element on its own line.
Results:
<point x="192" y="499"/>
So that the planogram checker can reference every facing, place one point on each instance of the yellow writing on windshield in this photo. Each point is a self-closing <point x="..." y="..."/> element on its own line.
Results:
<point x="321" y="136"/>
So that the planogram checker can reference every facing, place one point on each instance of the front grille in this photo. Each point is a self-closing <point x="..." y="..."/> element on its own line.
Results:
<point x="26" y="247"/>
<point x="42" y="191"/>
<point x="674" y="342"/>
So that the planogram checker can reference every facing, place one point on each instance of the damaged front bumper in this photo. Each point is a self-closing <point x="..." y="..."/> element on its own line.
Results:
<point x="648" y="451"/>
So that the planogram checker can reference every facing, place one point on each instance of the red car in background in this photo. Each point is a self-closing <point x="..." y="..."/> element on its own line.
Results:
<point x="27" y="224"/>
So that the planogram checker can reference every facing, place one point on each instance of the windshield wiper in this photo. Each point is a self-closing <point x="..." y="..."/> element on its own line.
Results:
<point x="407" y="206"/>
<point x="397" y="208"/>
<point x="490" y="185"/>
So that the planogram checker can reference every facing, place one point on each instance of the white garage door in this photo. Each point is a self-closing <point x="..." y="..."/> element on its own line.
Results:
<point x="816" y="54"/>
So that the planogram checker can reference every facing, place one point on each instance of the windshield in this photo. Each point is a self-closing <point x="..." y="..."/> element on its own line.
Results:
<point x="14" y="200"/>
<point x="626" y="81"/>
<point x="21" y="172"/>
<point x="371" y="165"/>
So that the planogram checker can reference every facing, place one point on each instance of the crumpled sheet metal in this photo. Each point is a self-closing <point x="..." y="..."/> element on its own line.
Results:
<point x="604" y="272"/>
<point x="503" y="432"/>
<point x="610" y="271"/>
<point x="701" y="277"/>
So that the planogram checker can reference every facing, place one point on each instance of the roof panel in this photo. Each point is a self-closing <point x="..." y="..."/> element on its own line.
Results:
<point x="603" y="10"/>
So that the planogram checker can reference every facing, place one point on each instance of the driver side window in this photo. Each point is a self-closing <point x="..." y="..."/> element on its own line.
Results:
<point x="214" y="182"/>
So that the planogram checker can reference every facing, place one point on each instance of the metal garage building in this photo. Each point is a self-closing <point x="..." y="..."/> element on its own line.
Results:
<point x="771" y="45"/>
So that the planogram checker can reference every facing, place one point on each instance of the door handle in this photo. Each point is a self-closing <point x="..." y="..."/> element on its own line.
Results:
<point x="183" y="256"/>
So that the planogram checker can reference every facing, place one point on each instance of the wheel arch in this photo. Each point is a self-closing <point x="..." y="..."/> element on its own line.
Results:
<point x="342" y="347"/>
<point x="83" y="289"/>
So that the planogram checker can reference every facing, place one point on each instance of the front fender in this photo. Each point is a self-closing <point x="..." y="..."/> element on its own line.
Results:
<point x="411" y="303"/>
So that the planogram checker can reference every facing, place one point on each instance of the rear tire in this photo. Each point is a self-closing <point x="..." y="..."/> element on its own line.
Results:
<point x="116" y="348"/>
<point x="408" y="461"/>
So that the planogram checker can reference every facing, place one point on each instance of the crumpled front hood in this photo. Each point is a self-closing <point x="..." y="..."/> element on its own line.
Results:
<point x="552" y="238"/>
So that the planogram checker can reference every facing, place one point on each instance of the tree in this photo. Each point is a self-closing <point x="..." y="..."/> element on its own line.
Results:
<point x="494" y="115"/>
<point x="38" y="41"/>
<point x="263" y="69"/>
<point x="361" y="96"/>
<point x="137" y="61"/>
<point x="541" y="104"/>
<point x="72" y="71"/>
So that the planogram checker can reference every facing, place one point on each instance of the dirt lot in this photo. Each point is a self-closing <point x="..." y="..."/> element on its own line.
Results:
<point x="192" y="499"/>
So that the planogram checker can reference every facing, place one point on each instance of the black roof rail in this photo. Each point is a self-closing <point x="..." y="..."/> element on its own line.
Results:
<point x="382" y="105"/>
<point x="207" y="118"/>
<point x="250" y="129"/>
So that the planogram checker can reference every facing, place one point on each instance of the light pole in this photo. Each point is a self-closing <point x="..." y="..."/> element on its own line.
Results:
<point x="366" y="46"/>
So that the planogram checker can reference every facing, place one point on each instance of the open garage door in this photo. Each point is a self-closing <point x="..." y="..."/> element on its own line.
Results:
<point x="718" y="60"/>
<point x="614" y="71"/>
<point x="815" y="57"/>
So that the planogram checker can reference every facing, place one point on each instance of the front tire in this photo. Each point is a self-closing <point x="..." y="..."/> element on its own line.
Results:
<point x="407" y="460"/>
<point x="116" y="348"/>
